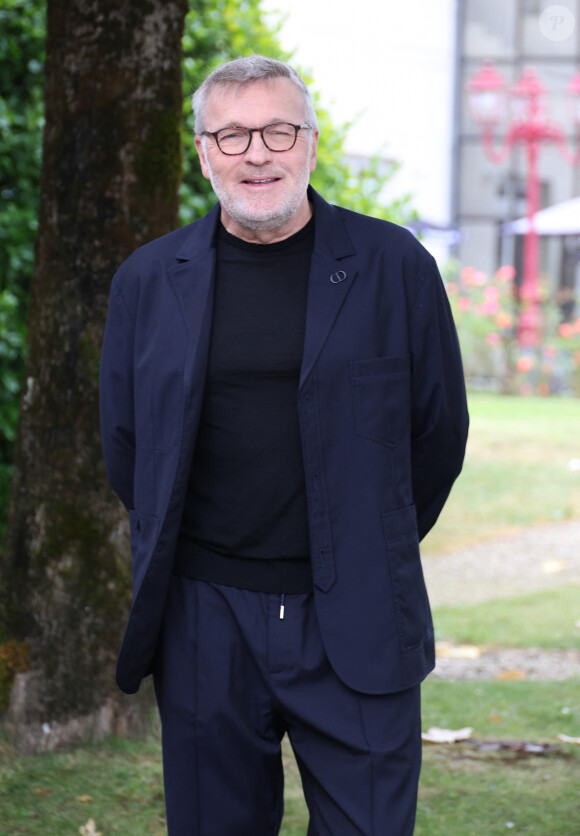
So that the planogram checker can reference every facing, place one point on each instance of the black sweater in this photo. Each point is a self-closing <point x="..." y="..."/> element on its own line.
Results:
<point x="245" y="520"/>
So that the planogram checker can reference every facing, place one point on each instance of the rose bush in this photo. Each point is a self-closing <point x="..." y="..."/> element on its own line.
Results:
<point x="486" y="313"/>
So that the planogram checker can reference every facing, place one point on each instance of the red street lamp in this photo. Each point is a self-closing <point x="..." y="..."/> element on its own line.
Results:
<point x="487" y="93"/>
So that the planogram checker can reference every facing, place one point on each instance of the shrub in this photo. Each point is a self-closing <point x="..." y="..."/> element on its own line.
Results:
<point x="486" y="313"/>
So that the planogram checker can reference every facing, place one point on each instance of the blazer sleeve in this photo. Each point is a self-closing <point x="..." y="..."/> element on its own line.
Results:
<point x="116" y="397"/>
<point x="439" y="407"/>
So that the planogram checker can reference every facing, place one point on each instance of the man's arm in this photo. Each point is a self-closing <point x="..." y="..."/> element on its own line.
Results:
<point x="116" y="397"/>
<point x="439" y="408"/>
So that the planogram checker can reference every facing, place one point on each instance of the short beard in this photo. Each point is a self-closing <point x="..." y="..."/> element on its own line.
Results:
<point x="239" y="212"/>
<point x="270" y="223"/>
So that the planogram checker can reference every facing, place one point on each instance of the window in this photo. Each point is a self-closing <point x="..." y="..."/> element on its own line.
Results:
<point x="490" y="28"/>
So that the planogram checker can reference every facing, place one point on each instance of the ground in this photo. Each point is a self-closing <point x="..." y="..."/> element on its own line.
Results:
<point x="538" y="558"/>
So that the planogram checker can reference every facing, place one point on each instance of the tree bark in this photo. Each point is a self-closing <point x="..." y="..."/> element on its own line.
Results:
<point x="111" y="170"/>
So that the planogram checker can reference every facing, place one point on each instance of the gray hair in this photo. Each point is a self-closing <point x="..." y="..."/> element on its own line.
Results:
<point x="244" y="71"/>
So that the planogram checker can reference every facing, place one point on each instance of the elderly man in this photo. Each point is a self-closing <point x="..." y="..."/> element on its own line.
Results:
<point x="283" y="415"/>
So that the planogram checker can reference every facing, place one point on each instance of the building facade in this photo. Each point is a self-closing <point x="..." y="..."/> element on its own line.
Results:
<point x="514" y="34"/>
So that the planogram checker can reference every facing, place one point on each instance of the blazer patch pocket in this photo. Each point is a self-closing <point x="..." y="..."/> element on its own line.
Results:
<point x="409" y="591"/>
<point x="381" y="398"/>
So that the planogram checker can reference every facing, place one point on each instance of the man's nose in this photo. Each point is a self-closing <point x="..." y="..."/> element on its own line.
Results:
<point x="257" y="153"/>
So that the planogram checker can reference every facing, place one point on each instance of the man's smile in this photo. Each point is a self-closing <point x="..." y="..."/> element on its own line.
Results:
<point x="260" y="181"/>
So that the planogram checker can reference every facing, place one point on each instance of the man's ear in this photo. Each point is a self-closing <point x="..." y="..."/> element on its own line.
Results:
<point x="314" y="151"/>
<point x="199" y="146"/>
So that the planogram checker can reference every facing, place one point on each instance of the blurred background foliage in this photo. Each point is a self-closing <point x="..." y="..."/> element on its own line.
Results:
<point x="485" y="309"/>
<point x="215" y="31"/>
<point x="22" y="26"/>
<point x="219" y="30"/>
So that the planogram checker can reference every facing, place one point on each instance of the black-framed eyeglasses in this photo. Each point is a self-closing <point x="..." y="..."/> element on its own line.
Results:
<point x="279" y="136"/>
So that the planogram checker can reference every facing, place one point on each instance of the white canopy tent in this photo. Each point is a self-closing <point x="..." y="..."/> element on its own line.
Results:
<point x="560" y="219"/>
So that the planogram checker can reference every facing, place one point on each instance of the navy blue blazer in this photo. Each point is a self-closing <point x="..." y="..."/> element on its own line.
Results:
<point x="383" y="421"/>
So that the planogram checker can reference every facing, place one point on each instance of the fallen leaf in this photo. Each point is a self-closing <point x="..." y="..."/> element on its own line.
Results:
<point x="510" y="675"/>
<point x="437" y="735"/>
<point x="446" y="650"/>
<point x="89" y="829"/>
<point x="567" y="739"/>
<point x="84" y="799"/>
<point x="552" y="567"/>
<point x="42" y="791"/>
<point x="495" y="718"/>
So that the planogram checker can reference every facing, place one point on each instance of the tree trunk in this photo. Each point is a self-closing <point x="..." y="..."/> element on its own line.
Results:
<point x="111" y="169"/>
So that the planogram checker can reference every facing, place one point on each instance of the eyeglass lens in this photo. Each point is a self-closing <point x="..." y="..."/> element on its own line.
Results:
<point x="278" y="137"/>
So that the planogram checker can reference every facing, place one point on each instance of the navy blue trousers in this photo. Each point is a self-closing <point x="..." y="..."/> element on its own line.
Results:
<point x="231" y="678"/>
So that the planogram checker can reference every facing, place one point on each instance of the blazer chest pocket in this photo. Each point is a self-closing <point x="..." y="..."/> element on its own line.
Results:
<point x="381" y="398"/>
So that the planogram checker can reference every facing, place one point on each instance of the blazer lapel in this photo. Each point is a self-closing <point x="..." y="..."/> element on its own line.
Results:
<point x="332" y="273"/>
<point x="192" y="279"/>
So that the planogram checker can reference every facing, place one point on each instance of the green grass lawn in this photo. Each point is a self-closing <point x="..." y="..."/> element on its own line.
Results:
<point x="516" y="471"/>
<point x="468" y="792"/>
<point x="118" y="784"/>
<point x="463" y="791"/>
<point x="547" y="619"/>
<point x="516" y="475"/>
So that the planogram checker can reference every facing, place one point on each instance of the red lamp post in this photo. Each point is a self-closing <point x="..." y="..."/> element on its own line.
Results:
<point x="530" y="127"/>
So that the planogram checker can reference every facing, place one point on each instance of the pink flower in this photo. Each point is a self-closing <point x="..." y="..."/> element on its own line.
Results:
<point x="451" y="288"/>
<point x="490" y="308"/>
<point x="550" y="352"/>
<point x="473" y="277"/>
<point x="527" y="389"/>
<point x="506" y="273"/>
<point x="543" y="390"/>
<point x="525" y="363"/>
<point x="493" y="338"/>
<point x="491" y="293"/>
<point x="464" y="304"/>
<point x="479" y="278"/>
<point x="529" y="293"/>
<point x="566" y="330"/>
